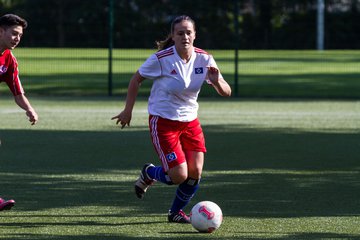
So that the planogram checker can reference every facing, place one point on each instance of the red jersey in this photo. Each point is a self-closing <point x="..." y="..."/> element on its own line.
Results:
<point x="9" y="72"/>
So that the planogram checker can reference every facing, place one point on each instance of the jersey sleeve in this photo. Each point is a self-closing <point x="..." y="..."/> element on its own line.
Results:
<point x="212" y="63"/>
<point x="12" y="78"/>
<point x="151" y="68"/>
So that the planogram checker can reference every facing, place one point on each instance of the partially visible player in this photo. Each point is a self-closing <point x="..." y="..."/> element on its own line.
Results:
<point x="11" y="31"/>
<point x="178" y="70"/>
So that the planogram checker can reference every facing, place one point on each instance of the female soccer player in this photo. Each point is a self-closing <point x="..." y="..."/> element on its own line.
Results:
<point x="11" y="31"/>
<point x="178" y="71"/>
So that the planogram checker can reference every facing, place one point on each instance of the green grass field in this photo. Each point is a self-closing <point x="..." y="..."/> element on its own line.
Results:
<point x="290" y="74"/>
<point x="279" y="169"/>
<point x="282" y="161"/>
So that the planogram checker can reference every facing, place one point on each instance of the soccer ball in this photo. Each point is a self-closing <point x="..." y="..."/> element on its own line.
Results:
<point x="206" y="216"/>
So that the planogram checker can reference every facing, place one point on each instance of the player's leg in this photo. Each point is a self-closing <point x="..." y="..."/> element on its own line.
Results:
<point x="195" y="161"/>
<point x="150" y="173"/>
<point x="176" y="149"/>
<point x="187" y="189"/>
<point x="165" y="136"/>
<point x="193" y="144"/>
<point x="166" y="142"/>
<point x="176" y="175"/>
<point x="144" y="181"/>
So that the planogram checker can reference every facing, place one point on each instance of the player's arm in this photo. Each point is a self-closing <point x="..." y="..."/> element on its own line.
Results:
<point x="124" y="117"/>
<point x="14" y="84"/>
<point x="22" y="101"/>
<point x="220" y="85"/>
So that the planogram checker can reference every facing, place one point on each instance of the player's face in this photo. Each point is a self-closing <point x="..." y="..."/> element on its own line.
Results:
<point x="10" y="37"/>
<point x="184" y="35"/>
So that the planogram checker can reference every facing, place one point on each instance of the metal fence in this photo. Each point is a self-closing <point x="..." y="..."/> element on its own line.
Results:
<point x="92" y="47"/>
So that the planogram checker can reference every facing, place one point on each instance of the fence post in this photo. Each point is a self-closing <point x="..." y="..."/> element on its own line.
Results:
<point x="237" y="39"/>
<point x="111" y="28"/>
<point x="320" y="25"/>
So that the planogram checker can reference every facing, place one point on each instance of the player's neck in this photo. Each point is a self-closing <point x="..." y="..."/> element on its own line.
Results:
<point x="2" y="49"/>
<point x="185" y="54"/>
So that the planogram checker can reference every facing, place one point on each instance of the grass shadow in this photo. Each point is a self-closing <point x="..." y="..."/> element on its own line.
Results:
<point x="250" y="173"/>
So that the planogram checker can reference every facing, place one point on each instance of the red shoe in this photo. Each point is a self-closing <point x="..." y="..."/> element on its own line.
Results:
<point x="6" y="205"/>
<point x="179" y="217"/>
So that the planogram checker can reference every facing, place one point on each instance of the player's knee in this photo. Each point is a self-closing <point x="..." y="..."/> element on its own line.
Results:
<point x="178" y="174"/>
<point x="195" y="173"/>
<point x="179" y="178"/>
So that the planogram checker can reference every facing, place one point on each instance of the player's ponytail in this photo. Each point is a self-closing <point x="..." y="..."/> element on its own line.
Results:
<point x="167" y="42"/>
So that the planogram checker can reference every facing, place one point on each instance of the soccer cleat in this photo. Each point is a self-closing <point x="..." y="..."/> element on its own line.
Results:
<point x="6" y="205"/>
<point x="143" y="182"/>
<point x="179" y="217"/>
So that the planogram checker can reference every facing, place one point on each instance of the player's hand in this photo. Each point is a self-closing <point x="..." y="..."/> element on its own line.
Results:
<point x="123" y="119"/>
<point x="213" y="74"/>
<point x="33" y="117"/>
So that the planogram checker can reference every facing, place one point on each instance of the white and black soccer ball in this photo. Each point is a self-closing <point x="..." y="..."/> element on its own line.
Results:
<point x="206" y="216"/>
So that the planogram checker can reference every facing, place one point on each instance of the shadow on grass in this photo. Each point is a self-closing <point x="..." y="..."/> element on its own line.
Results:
<point x="249" y="173"/>
<point x="309" y="236"/>
<point x="70" y="237"/>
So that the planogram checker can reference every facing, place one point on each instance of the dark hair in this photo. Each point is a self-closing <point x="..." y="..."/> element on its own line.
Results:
<point x="168" y="42"/>
<point x="9" y="20"/>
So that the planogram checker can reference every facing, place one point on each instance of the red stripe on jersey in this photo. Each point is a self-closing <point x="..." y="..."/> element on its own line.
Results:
<point x="164" y="53"/>
<point x="198" y="50"/>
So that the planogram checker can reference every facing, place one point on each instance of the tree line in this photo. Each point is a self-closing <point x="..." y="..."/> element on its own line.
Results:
<point x="262" y="24"/>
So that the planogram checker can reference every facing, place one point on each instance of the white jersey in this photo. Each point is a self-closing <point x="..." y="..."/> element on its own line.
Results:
<point x="176" y="84"/>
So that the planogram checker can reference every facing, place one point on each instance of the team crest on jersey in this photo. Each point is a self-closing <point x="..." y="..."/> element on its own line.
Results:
<point x="3" y="69"/>
<point x="171" y="157"/>
<point x="199" y="70"/>
<point x="173" y="72"/>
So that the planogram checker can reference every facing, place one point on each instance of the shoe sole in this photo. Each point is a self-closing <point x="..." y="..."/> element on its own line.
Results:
<point x="180" y="221"/>
<point x="177" y="218"/>
<point x="139" y="192"/>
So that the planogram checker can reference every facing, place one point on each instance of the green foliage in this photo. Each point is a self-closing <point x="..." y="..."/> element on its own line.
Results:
<point x="272" y="24"/>
<point x="278" y="169"/>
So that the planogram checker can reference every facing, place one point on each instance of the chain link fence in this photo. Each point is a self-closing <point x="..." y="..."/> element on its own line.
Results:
<point x="76" y="47"/>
